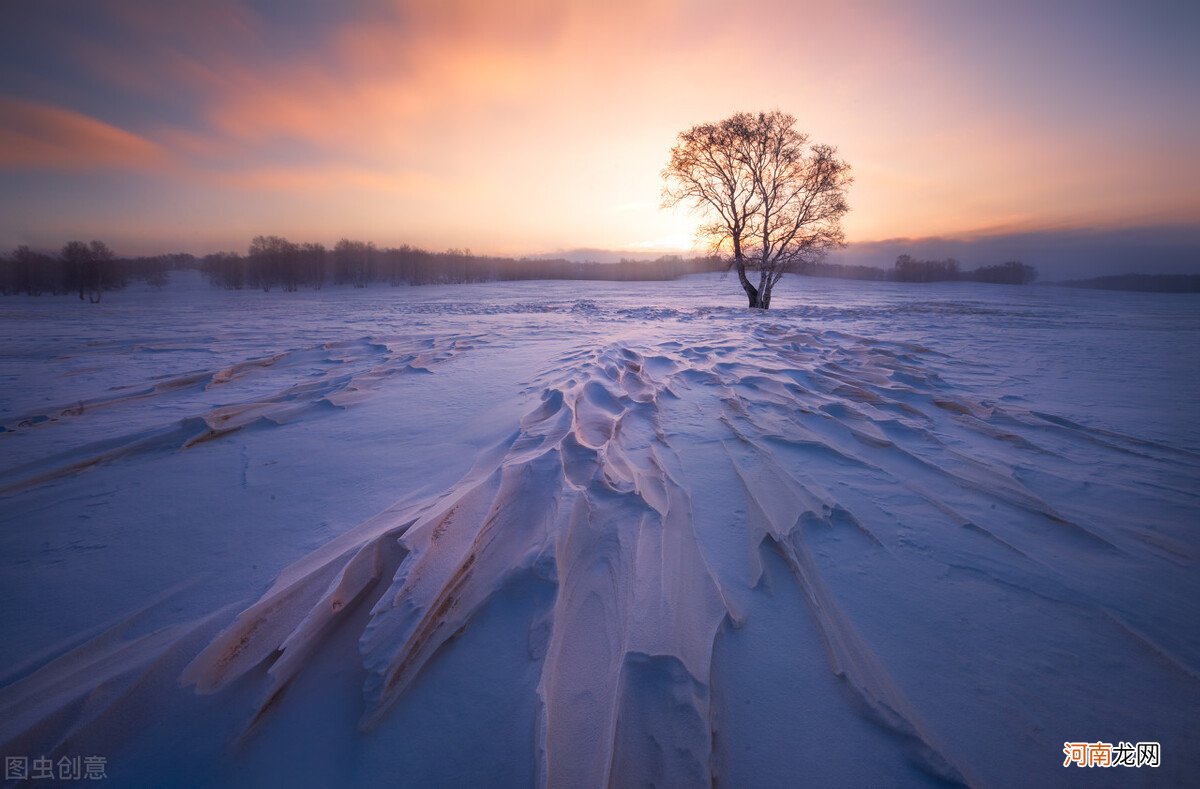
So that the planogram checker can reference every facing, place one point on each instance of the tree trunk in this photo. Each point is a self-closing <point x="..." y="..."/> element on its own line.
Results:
<point x="751" y="291"/>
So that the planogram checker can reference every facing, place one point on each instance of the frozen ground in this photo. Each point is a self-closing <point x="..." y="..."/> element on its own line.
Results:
<point x="587" y="533"/>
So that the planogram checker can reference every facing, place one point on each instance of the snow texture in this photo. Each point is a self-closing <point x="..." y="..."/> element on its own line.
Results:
<point x="554" y="533"/>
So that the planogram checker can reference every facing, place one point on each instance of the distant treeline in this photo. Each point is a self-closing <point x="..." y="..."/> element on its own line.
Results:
<point x="86" y="269"/>
<point x="90" y="269"/>
<point x="1149" y="283"/>
<point x="909" y="269"/>
<point x="276" y="262"/>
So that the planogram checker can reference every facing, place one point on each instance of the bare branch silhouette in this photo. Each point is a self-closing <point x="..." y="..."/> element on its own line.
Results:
<point x="772" y="199"/>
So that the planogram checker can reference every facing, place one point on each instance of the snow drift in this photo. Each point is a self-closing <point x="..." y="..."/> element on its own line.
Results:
<point x="750" y="550"/>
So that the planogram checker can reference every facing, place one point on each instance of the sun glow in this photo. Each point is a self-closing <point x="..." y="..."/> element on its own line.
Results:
<point x="544" y="126"/>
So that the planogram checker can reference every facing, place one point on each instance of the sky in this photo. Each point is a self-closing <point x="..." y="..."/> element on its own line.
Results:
<point x="525" y="127"/>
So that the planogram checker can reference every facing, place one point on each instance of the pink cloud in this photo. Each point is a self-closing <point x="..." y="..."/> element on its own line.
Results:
<point x="42" y="136"/>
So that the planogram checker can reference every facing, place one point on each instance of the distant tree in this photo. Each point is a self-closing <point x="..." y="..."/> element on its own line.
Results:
<point x="909" y="269"/>
<point x="76" y="258"/>
<point x="768" y="195"/>
<point x="272" y="261"/>
<point x="225" y="270"/>
<point x="106" y="274"/>
<point x="354" y="262"/>
<point x="154" y="272"/>
<point x="842" y="271"/>
<point x="1011" y="273"/>
<point x="456" y="266"/>
<point x="313" y="264"/>
<point x="90" y="269"/>
<point x="10" y="277"/>
<point x="905" y="268"/>
<point x="33" y="273"/>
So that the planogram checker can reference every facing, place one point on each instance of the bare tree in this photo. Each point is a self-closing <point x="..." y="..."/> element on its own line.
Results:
<point x="314" y="261"/>
<point x="34" y="273"/>
<point x="272" y="261"/>
<point x="354" y="261"/>
<point x="90" y="268"/>
<point x="225" y="269"/>
<point x="772" y="199"/>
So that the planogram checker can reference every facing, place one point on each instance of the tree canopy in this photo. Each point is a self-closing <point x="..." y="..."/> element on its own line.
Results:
<point x="767" y="195"/>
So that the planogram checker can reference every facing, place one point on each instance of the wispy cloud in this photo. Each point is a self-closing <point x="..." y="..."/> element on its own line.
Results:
<point x="40" y="136"/>
<point x="534" y="124"/>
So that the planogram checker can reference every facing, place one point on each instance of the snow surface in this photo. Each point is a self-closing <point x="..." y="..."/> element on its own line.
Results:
<point x="599" y="533"/>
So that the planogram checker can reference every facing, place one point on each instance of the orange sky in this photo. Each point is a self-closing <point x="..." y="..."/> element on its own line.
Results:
<point x="524" y="127"/>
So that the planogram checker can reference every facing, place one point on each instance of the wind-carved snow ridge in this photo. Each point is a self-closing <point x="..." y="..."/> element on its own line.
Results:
<point x="652" y="483"/>
<point x="269" y="390"/>
<point x="583" y="494"/>
<point x="586" y="495"/>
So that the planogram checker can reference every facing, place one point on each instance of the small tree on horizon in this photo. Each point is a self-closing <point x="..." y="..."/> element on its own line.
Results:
<point x="775" y="201"/>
